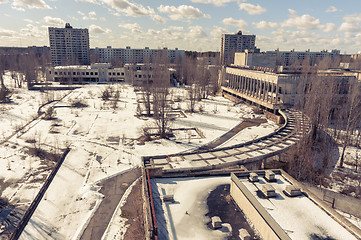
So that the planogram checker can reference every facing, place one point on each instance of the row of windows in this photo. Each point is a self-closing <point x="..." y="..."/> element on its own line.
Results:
<point x="88" y="73"/>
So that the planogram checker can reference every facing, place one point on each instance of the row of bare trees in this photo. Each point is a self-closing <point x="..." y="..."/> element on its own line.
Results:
<point x="332" y="103"/>
<point x="199" y="80"/>
<point x="26" y="65"/>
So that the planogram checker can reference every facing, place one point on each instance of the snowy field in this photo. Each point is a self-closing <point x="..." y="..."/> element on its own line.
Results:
<point x="104" y="142"/>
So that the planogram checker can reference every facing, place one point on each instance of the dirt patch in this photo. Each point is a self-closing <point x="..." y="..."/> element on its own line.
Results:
<point x="220" y="204"/>
<point x="133" y="211"/>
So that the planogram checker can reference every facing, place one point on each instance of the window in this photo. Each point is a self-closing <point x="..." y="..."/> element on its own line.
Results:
<point x="87" y="73"/>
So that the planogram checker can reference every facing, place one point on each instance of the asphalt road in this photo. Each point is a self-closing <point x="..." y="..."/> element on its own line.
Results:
<point x="113" y="190"/>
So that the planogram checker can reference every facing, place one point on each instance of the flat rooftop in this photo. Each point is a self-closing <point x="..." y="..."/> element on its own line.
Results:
<point x="300" y="217"/>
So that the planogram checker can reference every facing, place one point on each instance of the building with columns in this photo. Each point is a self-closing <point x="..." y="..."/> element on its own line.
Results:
<point x="271" y="89"/>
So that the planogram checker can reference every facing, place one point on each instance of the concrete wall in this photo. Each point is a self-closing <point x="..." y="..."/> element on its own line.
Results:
<point x="338" y="201"/>
<point x="267" y="60"/>
<point x="268" y="228"/>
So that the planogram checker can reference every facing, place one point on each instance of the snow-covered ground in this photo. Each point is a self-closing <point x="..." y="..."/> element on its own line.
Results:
<point x="103" y="143"/>
<point x="347" y="179"/>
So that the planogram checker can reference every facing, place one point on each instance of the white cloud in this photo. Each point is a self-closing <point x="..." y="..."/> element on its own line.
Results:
<point x="329" y="27"/>
<point x="291" y="11"/>
<point x="90" y="16"/>
<point x="307" y="22"/>
<point x="96" y="29"/>
<point x="265" y="25"/>
<point x="129" y="9"/>
<point x="157" y="18"/>
<point x="214" y="2"/>
<point x="332" y="9"/>
<point x="351" y="23"/>
<point x="30" y="4"/>
<point x="3" y="1"/>
<point x="196" y="32"/>
<point x="252" y="9"/>
<point x="217" y="32"/>
<point x="81" y="13"/>
<point x="134" y="27"/>
<point x="6" y="33"/>
<point x="54" y="21"/>
<point x="89" y="1"/>
<point x="183" y="11"/>
<point x="241" y="24"/>
<point x="304" y="22"/>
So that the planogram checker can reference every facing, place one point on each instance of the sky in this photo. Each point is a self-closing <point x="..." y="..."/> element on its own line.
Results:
<point x="194" y="25"/>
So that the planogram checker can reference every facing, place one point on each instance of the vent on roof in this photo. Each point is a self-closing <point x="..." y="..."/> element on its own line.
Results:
<point x="216" y="222"/>
<point x="253" y="177"/>
<point x="244" y="235"/>
<point x="168" y="198"/>
<point x="292" y="191"/>
<point x="270" y="176"/>
<point x="268" y="191"/>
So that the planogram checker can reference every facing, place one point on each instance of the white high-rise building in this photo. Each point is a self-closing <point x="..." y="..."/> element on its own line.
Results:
<point x="69" y="46"/>
<point x="232" y="43"/>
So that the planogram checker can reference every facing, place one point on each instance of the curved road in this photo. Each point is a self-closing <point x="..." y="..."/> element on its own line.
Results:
<point x="296" y="124"/>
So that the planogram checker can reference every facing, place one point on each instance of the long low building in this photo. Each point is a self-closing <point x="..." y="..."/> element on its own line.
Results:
<point x="270" y="88"/>
<point x="136" y="74"/>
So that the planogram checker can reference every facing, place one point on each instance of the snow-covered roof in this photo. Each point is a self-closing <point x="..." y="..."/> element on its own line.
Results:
<point x="300" y="217"/>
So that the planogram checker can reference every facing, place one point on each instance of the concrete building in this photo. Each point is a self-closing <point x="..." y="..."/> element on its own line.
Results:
<point x="287" y="58"/>
<point x="129" y="55"/>
<point x="136" y="74"/>
<point x="270" y="88"/>
<point x="238" y="42"/>
<point x="69" y="46"/>
<point x="251" y="60"/>
<point x="77" y="74"/>
<point x="284" y="216"/>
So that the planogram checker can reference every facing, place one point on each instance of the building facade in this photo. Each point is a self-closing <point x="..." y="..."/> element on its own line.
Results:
<point x="69" y="46"/>
<point x="135" y="74"/>
<point x="232" y="43"/>
<point x="129" y="55"/>
<point x="78" y="74"/>
<point x="287" y="58"/>
<point x="271" y="89"/>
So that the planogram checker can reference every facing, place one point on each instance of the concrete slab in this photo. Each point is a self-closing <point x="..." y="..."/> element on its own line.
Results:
<point x="191" y="157"/>
<point x="206" y="155"/>
<point x="220" y="154"/>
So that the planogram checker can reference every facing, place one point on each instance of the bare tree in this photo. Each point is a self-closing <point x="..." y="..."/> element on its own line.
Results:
<point x="350" y="115"/>
<point x="161" y="95"/>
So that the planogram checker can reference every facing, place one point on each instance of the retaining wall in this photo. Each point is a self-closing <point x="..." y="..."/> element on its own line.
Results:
<point x="337" y="200"/>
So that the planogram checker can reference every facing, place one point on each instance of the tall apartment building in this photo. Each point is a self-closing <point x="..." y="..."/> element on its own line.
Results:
<point x="129" y="55"/>
<point x="287" y="58"/>
<point x="232" y="43"/>
<point x="69" y="46"/>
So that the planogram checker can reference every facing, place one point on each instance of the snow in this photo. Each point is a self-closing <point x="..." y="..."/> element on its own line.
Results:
<point x="103" y="143"/>
<point x="190" y="195"/>
<point x="299" y="216"/>
<point x="117" y="227"/>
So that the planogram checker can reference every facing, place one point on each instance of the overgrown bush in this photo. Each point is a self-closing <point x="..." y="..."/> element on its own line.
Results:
<point x="5" y="94"/>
